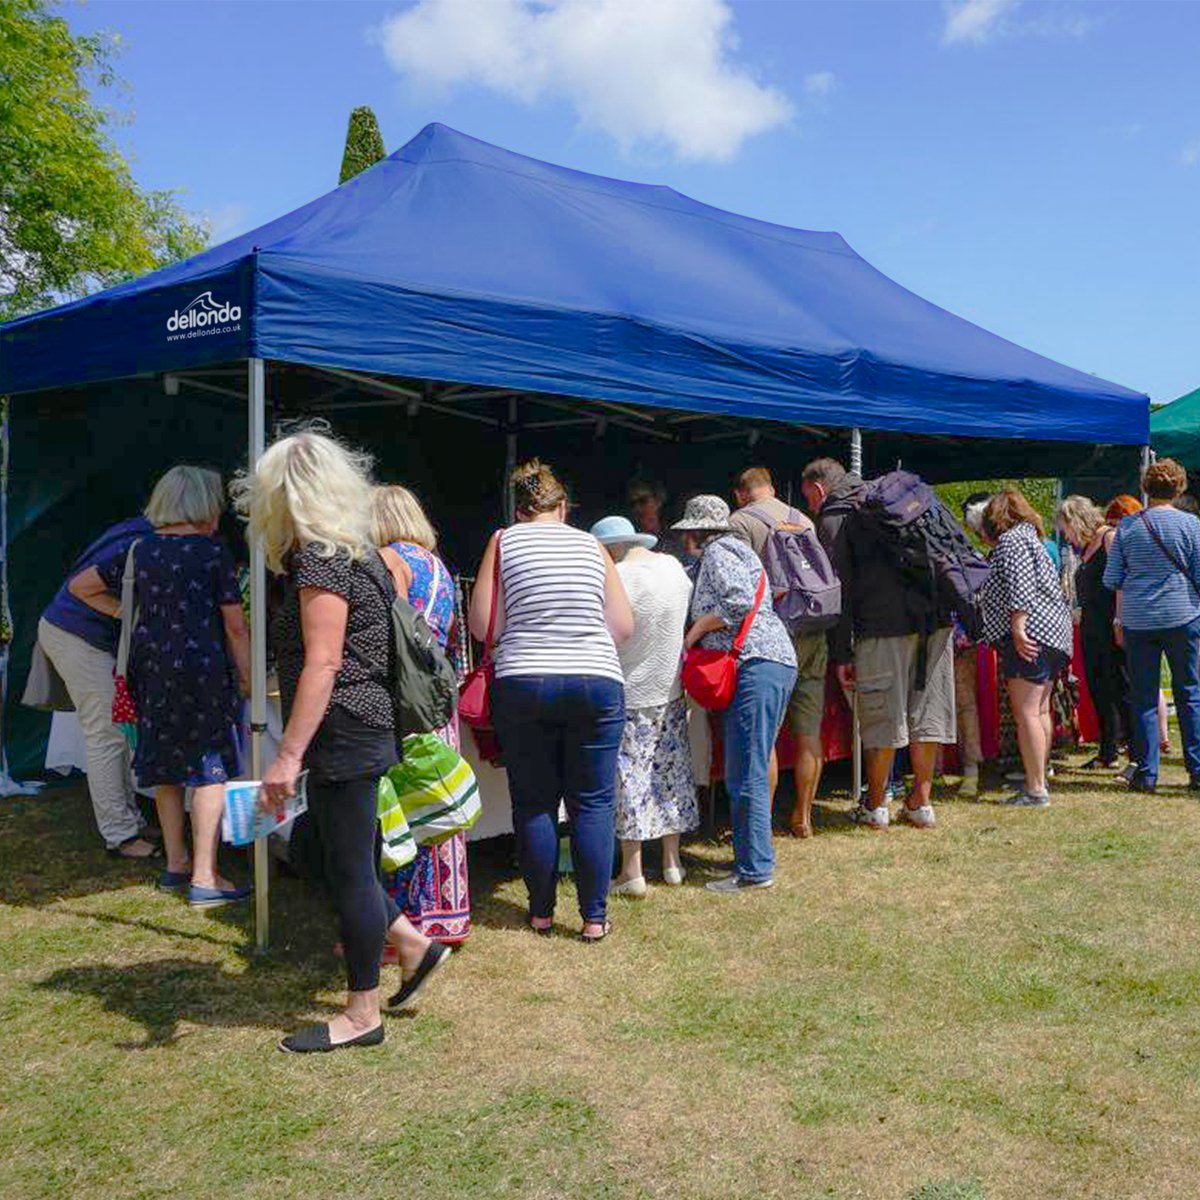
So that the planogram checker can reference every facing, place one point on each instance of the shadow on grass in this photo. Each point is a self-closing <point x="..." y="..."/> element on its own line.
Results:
<point x="167" y="995"/>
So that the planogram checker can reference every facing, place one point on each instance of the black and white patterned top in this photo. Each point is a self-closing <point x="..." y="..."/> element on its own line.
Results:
<point x="362" y="684"/>
<point x="1023" y="579"/>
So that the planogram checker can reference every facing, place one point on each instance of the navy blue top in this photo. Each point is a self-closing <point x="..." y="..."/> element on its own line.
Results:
<point x="181" y="677"/>
<point x="1155" y="593"/>
<point x="72" y="615"/>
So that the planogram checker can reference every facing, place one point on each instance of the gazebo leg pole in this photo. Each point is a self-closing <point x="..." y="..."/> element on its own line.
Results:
<point x="258" y="657"/>
<point x="1147" y="459"/>
<point x="510" y="461"/>
<point x="856" y="763"/>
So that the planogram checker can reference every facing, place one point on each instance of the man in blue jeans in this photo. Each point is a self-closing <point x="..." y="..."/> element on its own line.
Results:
<point x="1154" y="566"/>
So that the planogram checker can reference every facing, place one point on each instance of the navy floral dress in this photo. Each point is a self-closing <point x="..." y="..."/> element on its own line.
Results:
<point x="183" y="682"/>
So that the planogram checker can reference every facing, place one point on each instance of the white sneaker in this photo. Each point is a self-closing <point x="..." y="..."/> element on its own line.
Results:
<point x="674" y="875"/>
<point x="629" y="887"/>
<point x="871" y="818"/>
<point x="969" y="788"/>
<point x="921" y="818"/>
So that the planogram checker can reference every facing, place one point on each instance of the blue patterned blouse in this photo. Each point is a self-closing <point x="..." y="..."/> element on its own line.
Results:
<point x="725" y="587"/>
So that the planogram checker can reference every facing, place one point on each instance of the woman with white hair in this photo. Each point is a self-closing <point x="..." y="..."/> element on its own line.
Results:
<point x="432" y="890"/>
<point x="309" y="501"/>
<point x="189" y="660"/>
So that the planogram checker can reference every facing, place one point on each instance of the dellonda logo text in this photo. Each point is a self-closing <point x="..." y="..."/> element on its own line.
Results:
<point x="204" y="313"/>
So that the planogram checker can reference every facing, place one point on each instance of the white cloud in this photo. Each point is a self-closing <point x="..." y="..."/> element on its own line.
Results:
<point x="1189" y="156"/>
<point x="646" y="74"/>
<point x="820" y="83"/>
<point x="977" y="22"/>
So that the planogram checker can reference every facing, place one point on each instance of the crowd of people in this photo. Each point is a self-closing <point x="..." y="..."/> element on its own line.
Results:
<point x="590" y="629"/>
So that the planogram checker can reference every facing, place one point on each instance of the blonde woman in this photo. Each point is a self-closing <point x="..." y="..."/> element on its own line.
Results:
<point x="189" y="660"/>
<point x="1083" y="525"/>
<point x="432" y="890"/>
<point x="309" y="500"/>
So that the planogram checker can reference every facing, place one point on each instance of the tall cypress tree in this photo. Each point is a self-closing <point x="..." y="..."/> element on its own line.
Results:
<point x="364" y="143"/>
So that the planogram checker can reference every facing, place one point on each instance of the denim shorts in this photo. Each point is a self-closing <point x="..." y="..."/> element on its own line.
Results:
<point x="1043" y="669"/>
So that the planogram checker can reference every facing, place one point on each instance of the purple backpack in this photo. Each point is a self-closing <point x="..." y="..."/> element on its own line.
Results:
<point x="804" y="585"/>
<point x="941" y="570"/>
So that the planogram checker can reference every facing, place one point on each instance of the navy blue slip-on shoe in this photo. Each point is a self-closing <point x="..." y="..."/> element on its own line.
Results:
<point x="206" y="897"/>
<point x="173" y="881"/>
<point x="314" y="1039"/>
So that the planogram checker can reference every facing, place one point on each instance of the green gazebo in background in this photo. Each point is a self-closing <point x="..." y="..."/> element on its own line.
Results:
<point x="1175" y="430"/>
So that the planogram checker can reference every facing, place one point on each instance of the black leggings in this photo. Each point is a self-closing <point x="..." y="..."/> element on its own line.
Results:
<point x="344" y="814"/>
<point x="1108" y="682"/>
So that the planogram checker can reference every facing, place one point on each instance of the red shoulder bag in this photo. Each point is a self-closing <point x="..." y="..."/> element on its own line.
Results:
<point x="710" y="676"/>
<point x="474" y="697"/>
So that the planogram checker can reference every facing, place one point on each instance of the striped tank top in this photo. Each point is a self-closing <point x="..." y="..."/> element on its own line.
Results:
<point x="553" y="581"/>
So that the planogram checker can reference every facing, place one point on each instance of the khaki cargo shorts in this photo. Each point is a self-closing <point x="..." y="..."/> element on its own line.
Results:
<point x="891" y="712"/>
<point x="807" y="705"/>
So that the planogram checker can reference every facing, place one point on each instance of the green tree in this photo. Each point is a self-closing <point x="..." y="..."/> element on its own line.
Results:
<point x="72" y="217"/>
<point x="364" y="143"/>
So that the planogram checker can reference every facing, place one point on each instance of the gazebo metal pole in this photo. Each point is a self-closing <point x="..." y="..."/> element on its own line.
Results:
<point x="1147" y="459"/>
<point x="258" y="656"/>
<point x="510" y="461"/>
<point x="856" y="771"/>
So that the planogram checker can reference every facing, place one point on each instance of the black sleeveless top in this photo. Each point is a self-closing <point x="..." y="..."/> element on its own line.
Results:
<point x="1098" y="605"/>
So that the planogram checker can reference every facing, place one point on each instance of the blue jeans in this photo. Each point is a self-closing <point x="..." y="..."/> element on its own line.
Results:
<point x="1144" y="649"/>
<point x="752" y="724"/>
<point x="560" y="735"/>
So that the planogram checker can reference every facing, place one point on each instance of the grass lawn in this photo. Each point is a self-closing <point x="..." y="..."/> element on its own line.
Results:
<point x="1006" y="1007"/>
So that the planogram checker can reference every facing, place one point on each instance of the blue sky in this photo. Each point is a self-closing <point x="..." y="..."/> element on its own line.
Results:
<point x="1033" y="167"/>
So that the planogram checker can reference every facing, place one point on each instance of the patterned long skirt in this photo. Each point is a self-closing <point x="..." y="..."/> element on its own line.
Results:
<point x="432" y="891"/>
<point x="656" y="793"/>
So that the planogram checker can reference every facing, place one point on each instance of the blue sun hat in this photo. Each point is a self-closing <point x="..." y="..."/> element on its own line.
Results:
<point x="619" y="531"/>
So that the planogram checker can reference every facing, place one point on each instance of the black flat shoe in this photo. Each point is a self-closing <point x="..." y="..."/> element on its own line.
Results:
<point x="435" y="956"/>
<point x="541" y="930"/>
<point x="1099" y="764"/>
<point x="592" y="938"/>
<point x="314" y="1039"/>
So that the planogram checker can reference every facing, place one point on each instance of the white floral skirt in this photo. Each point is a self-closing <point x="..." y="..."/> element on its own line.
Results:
<point x="656" y="794"/>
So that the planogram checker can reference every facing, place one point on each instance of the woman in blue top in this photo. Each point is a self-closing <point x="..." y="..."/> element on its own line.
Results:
<point x="726" y="585"/>
<point x="432" y="890"/>
<point x="1155" y="564"/>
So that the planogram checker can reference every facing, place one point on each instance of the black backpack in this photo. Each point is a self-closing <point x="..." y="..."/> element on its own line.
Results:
<point x="942" y="572"/>
<point x="424" y="685"/>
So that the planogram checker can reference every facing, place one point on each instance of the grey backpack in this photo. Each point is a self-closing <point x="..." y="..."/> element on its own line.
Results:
<point x="805" y="588"/>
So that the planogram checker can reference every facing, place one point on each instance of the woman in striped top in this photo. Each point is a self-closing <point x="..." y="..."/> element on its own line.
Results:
<point x="558" y="699"/>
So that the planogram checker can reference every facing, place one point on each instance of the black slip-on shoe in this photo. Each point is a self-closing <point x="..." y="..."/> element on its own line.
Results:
<point x="314" y="1039"/>
<point x="435" y="956"/>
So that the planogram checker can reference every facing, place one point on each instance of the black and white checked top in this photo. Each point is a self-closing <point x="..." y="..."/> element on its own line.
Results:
<point x="1023" y="579"/>
<point x="553" y="581"/>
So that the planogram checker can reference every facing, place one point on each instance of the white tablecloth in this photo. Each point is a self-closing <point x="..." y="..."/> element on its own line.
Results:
<point x="66" y="750"/>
